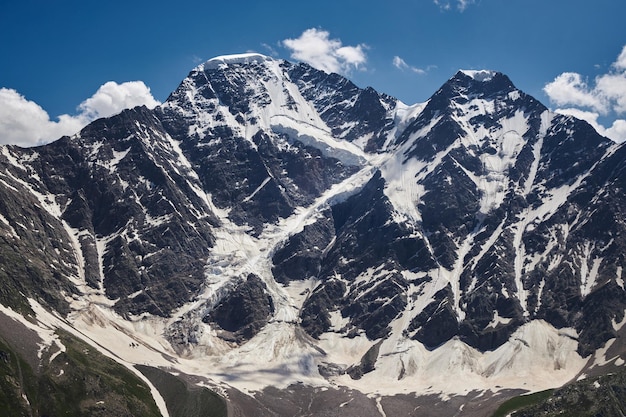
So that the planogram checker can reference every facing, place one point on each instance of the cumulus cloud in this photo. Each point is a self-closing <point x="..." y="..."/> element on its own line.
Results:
<point x="111" y="98"/>
<point x="402" y="65"/>
<point x="604" y="96"/>
<point x="569" y="88"/>
<point x="25" y="123"/>
<point x="620" y="64"/>
<point x="315" y="47"/>
<point x="461" y="5"/>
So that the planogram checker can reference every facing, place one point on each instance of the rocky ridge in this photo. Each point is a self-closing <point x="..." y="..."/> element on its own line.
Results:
<point x="267" y="203"/>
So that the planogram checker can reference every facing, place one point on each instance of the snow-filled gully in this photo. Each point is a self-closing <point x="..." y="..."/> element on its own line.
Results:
<point x="536" y="357"/>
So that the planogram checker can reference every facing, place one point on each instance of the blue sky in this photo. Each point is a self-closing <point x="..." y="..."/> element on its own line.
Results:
<point x="57" y="57"/>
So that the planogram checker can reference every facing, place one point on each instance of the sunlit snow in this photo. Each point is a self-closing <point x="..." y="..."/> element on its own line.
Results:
<point x="537" y="356"/>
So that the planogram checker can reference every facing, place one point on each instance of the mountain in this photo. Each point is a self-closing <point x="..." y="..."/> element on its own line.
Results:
<point x="276" y="233"/>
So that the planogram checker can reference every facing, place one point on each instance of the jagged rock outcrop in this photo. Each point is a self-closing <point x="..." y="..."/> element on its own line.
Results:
<point x="266" y="199"/>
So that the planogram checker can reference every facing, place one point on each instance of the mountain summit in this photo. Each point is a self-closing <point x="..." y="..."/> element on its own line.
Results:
<point x="272" y="219"/>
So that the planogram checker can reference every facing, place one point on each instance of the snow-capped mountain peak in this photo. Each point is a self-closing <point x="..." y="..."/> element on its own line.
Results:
<point x="480" y="75"/>
<point x="225" y="60"/>
<point x="270" y="218"/>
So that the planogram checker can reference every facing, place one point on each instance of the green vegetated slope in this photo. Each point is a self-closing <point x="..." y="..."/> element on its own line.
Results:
<point x="78" y="382"/>
<point x="182" y="399"/>
<point x="599" y="396"/>
<point x="16" y="378"/>
<point x="517" y="403"/>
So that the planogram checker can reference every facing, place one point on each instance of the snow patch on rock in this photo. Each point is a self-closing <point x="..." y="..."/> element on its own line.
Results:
<point x="480" y="75"/>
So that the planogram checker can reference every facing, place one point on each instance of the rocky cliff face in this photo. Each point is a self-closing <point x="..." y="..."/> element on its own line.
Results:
<point x="270" y="201"/>
<point x="472" y="203"/>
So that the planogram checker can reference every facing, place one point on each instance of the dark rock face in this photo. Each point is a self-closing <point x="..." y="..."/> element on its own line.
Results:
<point x="366" y="112"/>
<point x="365" y="239"/>
<point x="261" y="179"/>
<point x="315" y="312"/>
<point x="125" y="193"/>
<point x="373" y="308"/>
<point x="591" y="303"/>
<point x="498" y="287"/>
<point x="482" y="212"/>
<point x="367" y="363"/>
<point x="244" y="311"/>
<point x="36" y="256"/>
<point x="156" y="249"/>
<point x="437" y="323"/>
<point x="301" y="257"/>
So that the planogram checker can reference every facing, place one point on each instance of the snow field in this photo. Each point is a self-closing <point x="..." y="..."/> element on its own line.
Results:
<point x="536" y="357"/>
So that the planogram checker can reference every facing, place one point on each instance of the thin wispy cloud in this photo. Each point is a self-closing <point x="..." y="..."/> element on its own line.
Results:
<point x="603" y="96"/>
<point x="272" y="51"/>
<point x="461" y="5"/>
<point x="402" y="65"/>
<point x="316" y="48"/>
<point x="25" y="123"/>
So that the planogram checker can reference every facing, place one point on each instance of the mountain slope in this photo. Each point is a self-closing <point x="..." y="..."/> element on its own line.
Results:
<point x="480" y="187"/>
<point x="273" y="219"/>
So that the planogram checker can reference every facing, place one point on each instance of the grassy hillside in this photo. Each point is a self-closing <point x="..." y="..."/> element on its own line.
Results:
<point x="182" y="399"/>
<point x="78" y="382"/>
<point x="599" y="396"/>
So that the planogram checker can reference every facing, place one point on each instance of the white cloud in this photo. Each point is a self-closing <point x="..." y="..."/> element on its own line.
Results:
<point x="111" y="98"/>
<point x="446" y="5"/>
<point x="402" y="65"/>
<point x="620" y="64"/>
<point x="570" y="89"/>
<point x="316" y="48"/>
<point x="25" y="123"/>
<point x="399" y="63"/>
<point x="612" y="87"/>
<point x="617" y="131"/>
<point x="605" y="96"/>
<point x="270" y="48"/>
